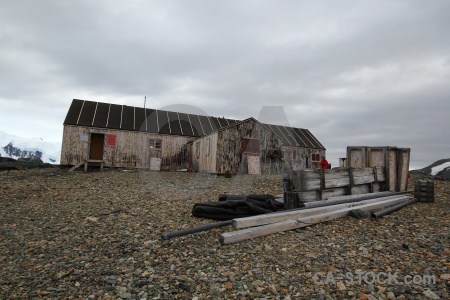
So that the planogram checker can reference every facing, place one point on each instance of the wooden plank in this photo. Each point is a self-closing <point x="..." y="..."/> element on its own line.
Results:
<point x="249" y="233"/>
<point x="312" y="180"/>
<point x="350" y="197"/>
<point x="295" y="214"/>
<point x="307" y="196"/>
<point x="76" y="166"/>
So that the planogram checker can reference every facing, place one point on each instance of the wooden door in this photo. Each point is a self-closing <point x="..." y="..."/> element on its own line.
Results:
<point x="254" y="166"/>
<point x="97" y="146"/>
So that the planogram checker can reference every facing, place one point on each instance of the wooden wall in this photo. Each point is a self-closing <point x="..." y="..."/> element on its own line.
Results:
<point x="231" y="157"/>
<point x="204" y="160"/>
<point x="131" y="148"/>
<point x="303" y="158"/>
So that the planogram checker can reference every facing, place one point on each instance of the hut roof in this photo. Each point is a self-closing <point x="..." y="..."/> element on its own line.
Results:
<point x="123" y="117"/>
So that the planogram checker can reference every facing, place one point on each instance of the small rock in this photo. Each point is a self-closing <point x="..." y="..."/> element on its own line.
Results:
<point x="273" y="289"/>
<point x="340" y="286"/>
<point x="390" y="296"/>
<point x="430" y="295"/>
<point x="125" y="296"/>
<point x="91" y="219"/>
<point x="184" y="286"/>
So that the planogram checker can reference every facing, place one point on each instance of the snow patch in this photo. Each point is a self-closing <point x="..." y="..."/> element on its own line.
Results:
<point x="51" y="152"/>
<point x="439" y="168"/>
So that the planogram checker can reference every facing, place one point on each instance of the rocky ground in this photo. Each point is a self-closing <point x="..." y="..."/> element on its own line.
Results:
<point x="96" y="235"/>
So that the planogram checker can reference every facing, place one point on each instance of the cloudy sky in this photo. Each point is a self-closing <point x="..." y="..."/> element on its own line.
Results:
<point x="371" y="73"/>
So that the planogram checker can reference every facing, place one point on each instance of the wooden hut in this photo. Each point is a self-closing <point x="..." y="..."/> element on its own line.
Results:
<point x="134" y="137"/>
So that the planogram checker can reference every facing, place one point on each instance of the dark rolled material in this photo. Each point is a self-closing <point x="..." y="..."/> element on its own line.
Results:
<point x="391" y="209"/>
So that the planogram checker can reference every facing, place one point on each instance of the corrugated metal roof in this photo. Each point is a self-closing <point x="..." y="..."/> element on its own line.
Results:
<point x="105" y="115"/>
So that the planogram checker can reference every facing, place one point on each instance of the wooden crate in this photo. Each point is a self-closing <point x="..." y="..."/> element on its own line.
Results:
<point x="424" y="190"/>
<point x="296" y="199"/>
<point x="318" y="184"/>
<point x="395" y="160"/>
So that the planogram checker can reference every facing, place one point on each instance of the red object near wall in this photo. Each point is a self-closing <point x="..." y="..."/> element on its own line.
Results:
<point x="324" y="164"/>
<point x="111" y="140"/>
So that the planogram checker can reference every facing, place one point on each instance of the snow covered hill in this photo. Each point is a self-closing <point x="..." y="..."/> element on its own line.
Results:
<point x="440" y="168"/>
<point x="15" y="147"/>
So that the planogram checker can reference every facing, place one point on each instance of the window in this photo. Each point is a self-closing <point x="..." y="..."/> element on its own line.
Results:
<point x="155" y="143"/>
<point x="315" y="157"/>
<point x="294" y="154"/>
<point x="250" y="145"/>
<point x="111" y="140"/>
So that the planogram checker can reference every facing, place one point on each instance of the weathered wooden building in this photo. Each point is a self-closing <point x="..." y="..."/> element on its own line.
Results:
<point x="125" y="136"/>
<point x="251" y="147"/>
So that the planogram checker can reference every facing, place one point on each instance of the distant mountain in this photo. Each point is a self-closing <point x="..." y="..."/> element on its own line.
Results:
<point x="440" y="168"/>
<point x="16" y="147"/>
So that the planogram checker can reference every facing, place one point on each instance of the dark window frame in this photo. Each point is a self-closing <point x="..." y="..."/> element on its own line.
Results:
<point x="253" y="145"/>
<point x="315" y="157"/>
<point x="155" y="144"/>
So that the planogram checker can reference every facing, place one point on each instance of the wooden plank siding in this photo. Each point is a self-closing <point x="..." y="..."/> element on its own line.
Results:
<point x="204" y="159"/>
<point x="231" y="157"/>
<point x="303" y="158"/>
<point x="226" y="151"/>
<point x="131" y="150"/>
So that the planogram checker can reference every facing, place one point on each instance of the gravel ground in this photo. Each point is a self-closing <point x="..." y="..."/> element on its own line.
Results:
<point x="96" y="235"/>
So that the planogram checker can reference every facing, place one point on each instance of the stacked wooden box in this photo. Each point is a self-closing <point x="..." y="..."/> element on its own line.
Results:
<point x="424" y="190"/>
<point x="394" y="159"/>
<point x="318" y="184"/>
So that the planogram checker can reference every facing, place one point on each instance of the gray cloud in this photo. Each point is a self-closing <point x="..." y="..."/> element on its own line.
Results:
<point x="353" y="72"/>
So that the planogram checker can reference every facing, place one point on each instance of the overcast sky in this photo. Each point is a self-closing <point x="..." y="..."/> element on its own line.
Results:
<point x="354" y="73"/>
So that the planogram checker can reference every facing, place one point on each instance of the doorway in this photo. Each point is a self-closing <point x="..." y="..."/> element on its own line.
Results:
<point x="97" y="146"/>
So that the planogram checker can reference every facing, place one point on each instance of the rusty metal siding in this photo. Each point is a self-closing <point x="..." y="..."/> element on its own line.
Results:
<point x="131" y="148"/>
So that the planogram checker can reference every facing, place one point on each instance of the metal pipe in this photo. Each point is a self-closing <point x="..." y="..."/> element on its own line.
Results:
<point x="201" y="228"/>
<point x="391" y="209"/>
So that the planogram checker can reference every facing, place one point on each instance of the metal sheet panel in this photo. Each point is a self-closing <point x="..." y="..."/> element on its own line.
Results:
<point x="214" y="123"/>
<point x="277" y="131"/>
<point x="205" y="124"/>
<point x="87" y="113"/>
<point x="128" y="118"/>
<point x="305" y="138"/>
<point x="101" y="115"/>
<point x="115" y="113"/>
<point x="196" y="126"/>
<point x="185" y="124"/>
<point x="74" y="112"/>
<point x="314" y="140"/>
<point x="174" y="123"/>
<point x="152" y="120"/>
<point x="289" y="134"/>
<point x="139" y="119"/>
<point x="298" y="138"/>
<point x="163" y="121"/>
<point x="223" y="122"/>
